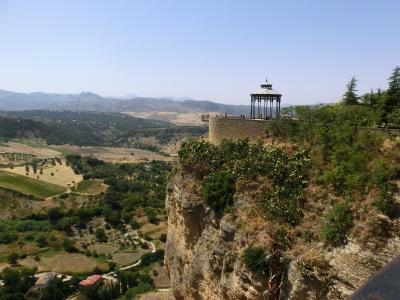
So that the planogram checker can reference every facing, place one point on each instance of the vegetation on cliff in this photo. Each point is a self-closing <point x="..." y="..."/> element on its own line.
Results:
<point x="286" y="173"/>
<point x="218" y="190"/>
<point x="338" y="222"/>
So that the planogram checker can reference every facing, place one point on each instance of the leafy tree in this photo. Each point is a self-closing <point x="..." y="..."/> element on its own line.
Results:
<point x="350" y="97"/>
<point x="394" y="117"/>
<point x="337" y="223"/>
<point x="281" y="129"/>
<point x="66" y="223"/>
<point x="218" y="190"/>
<point x="149" y="258"/>
<point x="55" y="290"/>
<point x="54" y="214"/>
<point x="372" y="98"/>
<point x="142" y="288"/>
<point x="101" y="235"/>
<point x="16" y="283"/>
<point x="134" y="224"/>
<point x="390" y="99"/>
<point x="198" y="156"/>
<point x="256" y="260"/>
<point x="393" y="92"/>
<point x="69" y="245"/>
<point x="386" y="203"/>
<point x="41" y="240"/>
<point x="13" y="258"/>
<point x="151" y="215"/>
<point x="163" y="237"/>
<point x="7" y="237"/>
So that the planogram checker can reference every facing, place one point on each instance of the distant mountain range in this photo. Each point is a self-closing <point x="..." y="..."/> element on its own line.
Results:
<point x="87" y="101"/>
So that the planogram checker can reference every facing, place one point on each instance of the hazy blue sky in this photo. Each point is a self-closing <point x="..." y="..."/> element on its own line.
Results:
<point x="216" y="50"/>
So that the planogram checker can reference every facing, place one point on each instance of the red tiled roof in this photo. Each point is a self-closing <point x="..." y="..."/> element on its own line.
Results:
<point x="90" y="280"/>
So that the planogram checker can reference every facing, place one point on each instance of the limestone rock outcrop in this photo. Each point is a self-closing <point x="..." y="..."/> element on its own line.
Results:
<point x="204" y="251"/>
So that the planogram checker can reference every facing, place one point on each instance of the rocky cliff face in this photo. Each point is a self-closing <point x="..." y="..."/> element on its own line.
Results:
<point x="204" y="251"/>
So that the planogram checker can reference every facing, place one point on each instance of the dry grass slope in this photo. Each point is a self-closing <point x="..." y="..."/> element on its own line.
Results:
<point x="29" y="186"/>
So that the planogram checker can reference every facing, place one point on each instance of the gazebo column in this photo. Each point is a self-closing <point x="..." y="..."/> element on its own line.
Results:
<point x="272" y="110"/>
<point x="255" y="107"/>
<point x="270" y="107"/>
<point x="258" y="107"/>
<point x="279" y="109"/>
<point x="265" y="108"/>
<point x="251" y="107"/>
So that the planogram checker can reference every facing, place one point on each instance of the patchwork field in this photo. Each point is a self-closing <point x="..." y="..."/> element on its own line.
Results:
<point x="90" y="187"/>
<point x="65" y="263"/>
<point x="108" y="154"/>
<point x="111" y="154"/>
<point x="40" y="151"/>
<point x="29" y="185"/>
<point x="18" y="206"/>
<point x="176" y="118"/>
<point x="60" y="174"/>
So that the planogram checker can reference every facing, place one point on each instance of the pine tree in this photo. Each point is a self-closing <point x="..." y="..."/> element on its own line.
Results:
<point x="350" y="97"/>
<point x="391" y="98"/>
<point x="393" y="92"/>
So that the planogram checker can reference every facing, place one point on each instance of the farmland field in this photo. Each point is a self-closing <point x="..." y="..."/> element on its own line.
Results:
<point x="59" y="174"/>
<point x="29" y="186"/>
<point x="90" y="187"/>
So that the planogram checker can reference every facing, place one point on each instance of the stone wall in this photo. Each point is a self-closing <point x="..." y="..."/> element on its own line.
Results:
<point x="220" y="128"/>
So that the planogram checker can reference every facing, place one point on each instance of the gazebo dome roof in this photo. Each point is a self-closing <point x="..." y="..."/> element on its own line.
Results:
<point x="266" y="90"/>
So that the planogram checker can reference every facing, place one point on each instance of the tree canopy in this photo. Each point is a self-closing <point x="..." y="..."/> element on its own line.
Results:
<point x="350" y="97"/>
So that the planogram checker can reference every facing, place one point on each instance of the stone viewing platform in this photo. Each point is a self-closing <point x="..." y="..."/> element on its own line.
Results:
<point x="230" y="127"/>
<point x="265" y="105"/>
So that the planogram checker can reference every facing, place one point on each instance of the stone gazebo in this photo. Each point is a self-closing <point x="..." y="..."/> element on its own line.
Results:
<point x="262" y="103"/>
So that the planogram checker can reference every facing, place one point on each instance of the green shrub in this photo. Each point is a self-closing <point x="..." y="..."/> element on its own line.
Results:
<point x="134" y="224"/>
<point x="142" y="288"/>
<point x="16" y="282"/>
<point x="149" y="258"/>
<point x="64" y="196"/>
<point x="12" y="258"/>
<point x="163" y="237"/>
<point x="386" y="205"/>
<point x="69" y="246"/>
<point x="282" y="129"/>
<point x="7" y="237"/>
<point x="198" y="156"/>
<point x="151" y="215"/>
<point x="41" y="240"/>
<point x="283" y="237"/>
<point x="101" y="235"/>
<point x="337" y="224"/>
<point x="280" y="209"/>
<point x="218" y="190"/>
<point x="256" y="260"/>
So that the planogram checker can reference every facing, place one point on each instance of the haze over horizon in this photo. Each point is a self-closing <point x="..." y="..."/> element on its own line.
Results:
<point x="209" y="50"/>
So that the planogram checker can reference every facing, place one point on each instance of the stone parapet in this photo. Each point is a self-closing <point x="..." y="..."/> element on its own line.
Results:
<point x="235" y="128"/>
